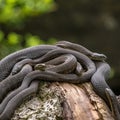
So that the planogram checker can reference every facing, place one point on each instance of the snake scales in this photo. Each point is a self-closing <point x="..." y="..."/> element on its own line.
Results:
<point x="20" y="73"/>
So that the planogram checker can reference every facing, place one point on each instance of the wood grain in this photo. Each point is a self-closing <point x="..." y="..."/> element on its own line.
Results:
<point x="82" y="103"/>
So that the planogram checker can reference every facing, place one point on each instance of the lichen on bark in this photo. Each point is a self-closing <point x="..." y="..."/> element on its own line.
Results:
<point x="45" y="105"/>
<point x="64" y="101"/>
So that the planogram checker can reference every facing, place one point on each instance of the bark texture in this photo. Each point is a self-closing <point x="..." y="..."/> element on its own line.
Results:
<point x="63" y="101"/>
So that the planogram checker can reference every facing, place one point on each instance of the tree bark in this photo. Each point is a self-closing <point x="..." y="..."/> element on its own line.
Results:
<point x="83" y="103"/>
<point x="65" y="101"/>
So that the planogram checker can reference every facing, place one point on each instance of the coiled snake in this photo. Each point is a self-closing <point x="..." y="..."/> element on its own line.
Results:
<point x="63" y="62"/>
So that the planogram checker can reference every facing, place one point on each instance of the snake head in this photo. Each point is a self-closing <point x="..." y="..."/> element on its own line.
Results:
<point x="97" y="56"/>
<point x="41" y="66"/>
<point x="63" y="44"/>
<point x="114" y="105"/>
<point x="16" y="69"/>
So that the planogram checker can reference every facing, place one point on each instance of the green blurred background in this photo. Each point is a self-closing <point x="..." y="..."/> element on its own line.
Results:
<point x="93" y="24"/>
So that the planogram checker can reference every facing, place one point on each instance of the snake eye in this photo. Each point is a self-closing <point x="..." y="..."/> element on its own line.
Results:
<point x="61" y="45"/>
<point x="14" y="72"/>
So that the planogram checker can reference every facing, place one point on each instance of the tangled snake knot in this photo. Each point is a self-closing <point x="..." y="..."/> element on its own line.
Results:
<point x="21" y="72"/>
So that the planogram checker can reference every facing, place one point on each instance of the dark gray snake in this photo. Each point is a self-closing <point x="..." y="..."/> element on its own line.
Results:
<point x="72" y="63"/>
<point x="12" y="82"/>
<point x="64" y="44"/>
<point x="81" y="49"/>
<point x="7" y="63"/>
<point x="114" y="103"/>
<point x="100" y="86"/>
<point x="65" y="59"/>
<point x="65" y="64"/>
<point x="99" y="78"/>
<point x="87" y="63"/>
<point x="18" y="99"/>
<point x="62" y="62"/>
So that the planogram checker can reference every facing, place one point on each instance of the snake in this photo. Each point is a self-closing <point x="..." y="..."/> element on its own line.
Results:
<point x="69" y="64"/>
<point x="47" y="75"/>
<point x="18" y="99"/>
<point x="100" y="86"/>
<point x="18" y="66"/>
<point x="79" y="69"/>
<point x="67" y="45"/>
<point x="9" y="61"/>
<point x="81" y="49"/>
<point x="61" y="63"/>
<point x="40" y="56"/>
<point x="12" y="82"/>
<point x="6" y="92"/>
<point x="40" y="75"/>
<point x="87" y="63"/>
<point x="114" y="104"/>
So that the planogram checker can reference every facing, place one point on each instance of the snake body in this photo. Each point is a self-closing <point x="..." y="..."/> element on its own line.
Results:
<point x="99" y="78"/>
<point x="12" y="82"/>
<point x="63" y="64"/>
<point x="79" y="69"/>
<point x="8" y="62"/>
<point x="81" y="49"/>
<point x="64" y="44"/>
<point x="100" y="86"/>
<point x="41" y="75"/>
<point x="19" y="65"/>
<point x="84" y="60"/>
<point x="18" y="99"/>
<point x="63" y="61"/>
<point x="115" y="106"/>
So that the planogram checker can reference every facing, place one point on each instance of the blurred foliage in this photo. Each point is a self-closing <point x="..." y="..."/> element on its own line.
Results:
<point x="14" y="13"/>
<point x="13" y="42"/>
<point x="112" y="73"/>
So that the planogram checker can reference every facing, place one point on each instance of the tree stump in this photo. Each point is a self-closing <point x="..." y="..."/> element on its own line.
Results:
<point x="64" y="101"/>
